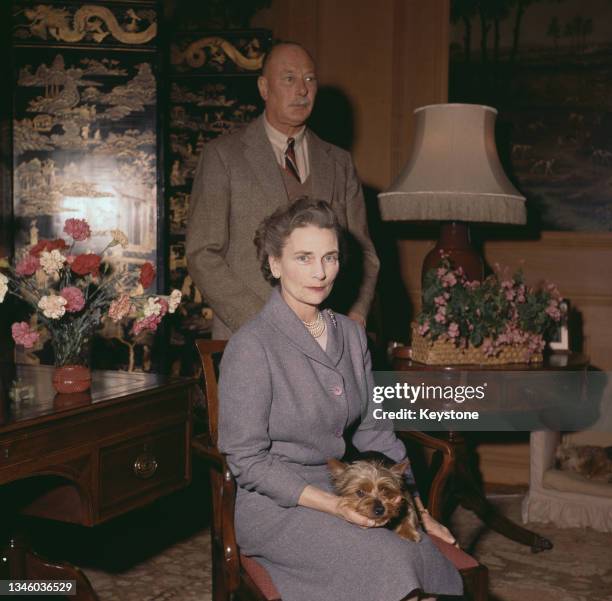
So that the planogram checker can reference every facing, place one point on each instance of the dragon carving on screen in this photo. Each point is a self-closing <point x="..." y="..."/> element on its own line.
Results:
<point x="97" y="21"/>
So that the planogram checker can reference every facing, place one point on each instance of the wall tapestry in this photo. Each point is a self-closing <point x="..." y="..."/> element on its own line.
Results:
<point x="547" y="67"/>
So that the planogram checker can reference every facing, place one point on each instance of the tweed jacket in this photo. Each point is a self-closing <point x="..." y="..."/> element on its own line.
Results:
<point x="238" y="182"/>
<point x="285" y="403"/>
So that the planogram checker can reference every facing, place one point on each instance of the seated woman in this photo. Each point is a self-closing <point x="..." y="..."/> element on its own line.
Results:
<point x="292" y="381"/>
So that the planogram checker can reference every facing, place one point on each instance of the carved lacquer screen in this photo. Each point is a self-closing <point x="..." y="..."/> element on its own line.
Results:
<point x="85" y="141"/>
<point x="213" y="92"/>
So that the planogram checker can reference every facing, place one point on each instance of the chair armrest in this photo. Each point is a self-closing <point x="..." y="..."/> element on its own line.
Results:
<point x="201" y="446"/>
<point x="438" y="484"/>
<point x="428" y="441"/>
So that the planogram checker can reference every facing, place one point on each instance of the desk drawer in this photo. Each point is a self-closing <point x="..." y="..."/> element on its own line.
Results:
<point x="152" y="464"/>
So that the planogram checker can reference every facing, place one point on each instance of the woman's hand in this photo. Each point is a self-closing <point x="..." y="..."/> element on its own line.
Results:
<point x="315" y="498"/>
<point x="352" y="516"/>
<point x="436" y="529"/>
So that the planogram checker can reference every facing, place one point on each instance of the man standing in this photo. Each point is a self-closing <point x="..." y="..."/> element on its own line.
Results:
<point x="243" y="177"/>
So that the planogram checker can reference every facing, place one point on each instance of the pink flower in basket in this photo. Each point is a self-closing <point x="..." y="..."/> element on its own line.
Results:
<point x="497" y="314"/>
<point x="453" y="330"/>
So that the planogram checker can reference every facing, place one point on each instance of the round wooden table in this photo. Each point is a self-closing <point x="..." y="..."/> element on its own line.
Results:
<point x="456" y="477"/>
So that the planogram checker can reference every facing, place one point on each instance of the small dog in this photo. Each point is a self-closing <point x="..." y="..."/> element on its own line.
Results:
<point x="592" y="462"/>
<point x="377" y="492"/>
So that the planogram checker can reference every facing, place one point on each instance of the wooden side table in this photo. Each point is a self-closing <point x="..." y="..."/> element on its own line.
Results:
<point x="456" y="477"/>
<point x="120" y="446"/>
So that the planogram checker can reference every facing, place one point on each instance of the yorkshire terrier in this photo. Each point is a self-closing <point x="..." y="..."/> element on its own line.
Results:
<point x="378" y="493"/>
<point x="592" y="462"/>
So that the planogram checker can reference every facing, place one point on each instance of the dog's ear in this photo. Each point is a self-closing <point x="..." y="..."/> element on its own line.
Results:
<point x="399" y="468"/>
<point x="336" y="467"/>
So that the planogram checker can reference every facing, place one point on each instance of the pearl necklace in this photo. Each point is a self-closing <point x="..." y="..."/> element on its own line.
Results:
<point x="317" y="326"/>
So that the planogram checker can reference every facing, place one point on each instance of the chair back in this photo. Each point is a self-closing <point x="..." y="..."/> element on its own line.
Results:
<point x="225" y="558"/>
<point x="207" y="350"/>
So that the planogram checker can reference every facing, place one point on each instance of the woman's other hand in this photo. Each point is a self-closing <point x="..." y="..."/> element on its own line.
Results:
<point x="436" y="529"/>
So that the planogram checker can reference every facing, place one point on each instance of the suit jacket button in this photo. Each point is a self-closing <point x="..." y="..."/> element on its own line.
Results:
<point x="338" y="432"/>
<point x="337" y="390"/>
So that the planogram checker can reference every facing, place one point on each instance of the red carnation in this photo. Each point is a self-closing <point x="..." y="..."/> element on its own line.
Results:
<point x="48" y="245"/>
<point x="86" y="263"/>
<point x="147" y="275"/>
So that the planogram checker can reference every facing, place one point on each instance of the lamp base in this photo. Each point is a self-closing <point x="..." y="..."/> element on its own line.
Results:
<point x="455" y="241"/>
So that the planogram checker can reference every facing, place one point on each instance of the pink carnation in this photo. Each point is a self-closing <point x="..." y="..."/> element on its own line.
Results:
<point x="440" y="301"/>
<point x="147" y="323"/>
<point x="78" y="229"/>
<point x="23" y="334"/>
<point x="424" y="328"/>
<point x="440" y="316"/>
<point x="453" y="330"/>
<point x="449" y="280"/>
<point x="554" y="311"/>
<point x="120" y="308"/>
<point x="28" y="265"/>
<point x="75" y="300"/>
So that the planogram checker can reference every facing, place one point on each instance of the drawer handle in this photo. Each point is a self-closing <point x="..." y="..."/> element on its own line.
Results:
<point x="145" y="465"/>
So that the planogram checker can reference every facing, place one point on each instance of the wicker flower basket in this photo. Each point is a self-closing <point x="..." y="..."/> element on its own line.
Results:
<point x="444" y="352"/>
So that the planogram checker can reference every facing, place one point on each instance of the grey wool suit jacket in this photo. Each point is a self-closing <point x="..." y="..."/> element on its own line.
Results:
<point x="285" y="403"/>
<point x="238" y="182"/>
<point x="285" y="406"/>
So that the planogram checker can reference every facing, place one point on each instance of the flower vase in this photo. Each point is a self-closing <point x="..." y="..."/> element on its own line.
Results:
<point x="72" y="366"/>
<point x="71" y="378"/>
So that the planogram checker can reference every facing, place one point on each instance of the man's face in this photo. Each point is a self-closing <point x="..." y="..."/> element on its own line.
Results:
<point x="288" y="87"/>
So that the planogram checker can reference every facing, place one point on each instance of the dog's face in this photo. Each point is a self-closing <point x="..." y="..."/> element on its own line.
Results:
<point x="568" y="458"/>
<point x="590" y="461"/>
<point x="369" y="488"/>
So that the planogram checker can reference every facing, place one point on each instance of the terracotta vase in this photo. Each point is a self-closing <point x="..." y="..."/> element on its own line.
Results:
<point x="71" y="378"/>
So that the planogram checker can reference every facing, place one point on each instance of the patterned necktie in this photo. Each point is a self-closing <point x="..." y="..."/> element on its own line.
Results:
<point x="290" y="162"/>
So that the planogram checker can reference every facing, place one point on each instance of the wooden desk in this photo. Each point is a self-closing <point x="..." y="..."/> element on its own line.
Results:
<point x="456" y="479"/>
<point x="119" y="446"/>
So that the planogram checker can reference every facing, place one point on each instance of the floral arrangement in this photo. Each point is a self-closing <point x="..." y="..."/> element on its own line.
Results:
<point x="72" y="291"/>
<point x="493" y="314"/>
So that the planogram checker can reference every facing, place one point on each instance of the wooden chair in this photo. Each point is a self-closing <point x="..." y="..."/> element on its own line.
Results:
<point x="240" y="578"/>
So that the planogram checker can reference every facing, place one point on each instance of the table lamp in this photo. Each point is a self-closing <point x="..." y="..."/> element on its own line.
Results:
<point x="454" y="176"/>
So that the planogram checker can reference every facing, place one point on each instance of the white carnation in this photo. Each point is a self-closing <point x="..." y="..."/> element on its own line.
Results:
<point x="52" y="306"/>
<point x="152" y="306"/>
<point x="3" y="286"/>
<point x="174" y="301"/>
<point x="52" y="262"/>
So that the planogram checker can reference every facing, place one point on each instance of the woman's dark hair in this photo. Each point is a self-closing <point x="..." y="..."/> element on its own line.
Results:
<point x="273" y="232"/>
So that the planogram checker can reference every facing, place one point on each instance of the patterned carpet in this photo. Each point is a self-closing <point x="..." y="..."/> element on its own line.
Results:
<point x="161" y="553"/>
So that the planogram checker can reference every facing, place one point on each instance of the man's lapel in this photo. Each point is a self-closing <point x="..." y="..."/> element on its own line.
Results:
<point x="258" y="152"/>
<point x="321" y="168"/>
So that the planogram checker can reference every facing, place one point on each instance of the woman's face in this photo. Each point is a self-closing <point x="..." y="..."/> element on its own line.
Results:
<point x="307" y="268"/>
